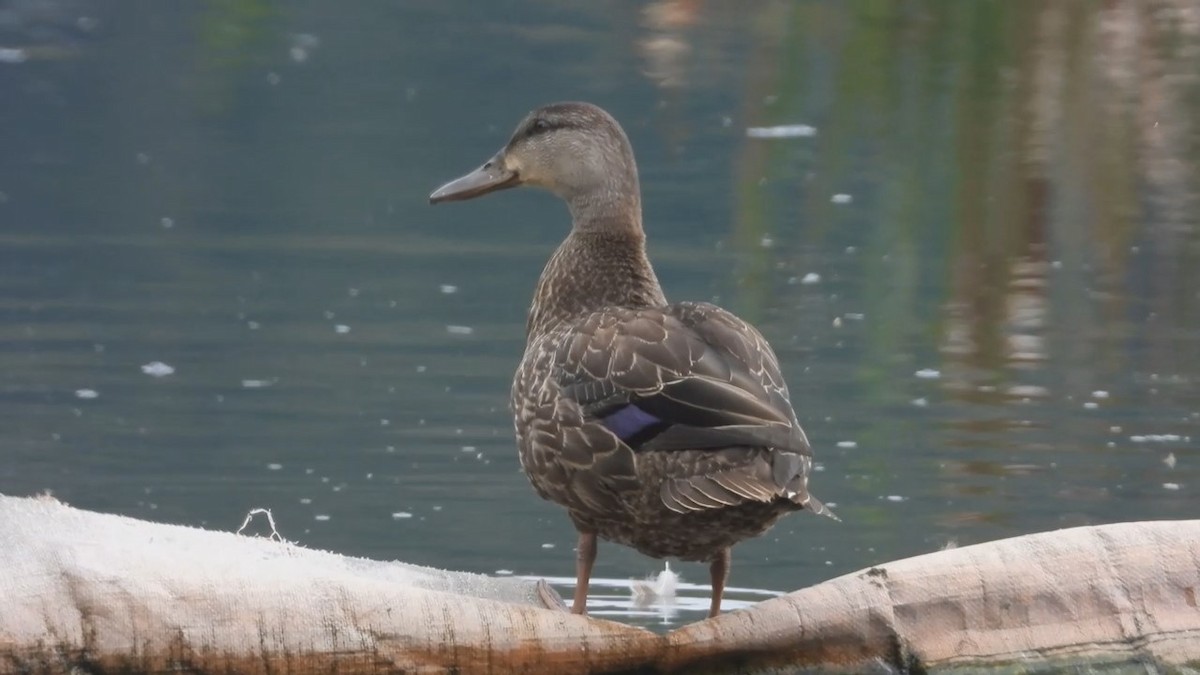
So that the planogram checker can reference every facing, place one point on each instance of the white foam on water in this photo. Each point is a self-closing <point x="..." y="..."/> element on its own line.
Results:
<point x="157" y="369"/>
<point x="782" y="131"/>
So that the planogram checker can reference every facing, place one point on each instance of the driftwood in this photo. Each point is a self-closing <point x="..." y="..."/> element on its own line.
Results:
<point x="86" y="592"/>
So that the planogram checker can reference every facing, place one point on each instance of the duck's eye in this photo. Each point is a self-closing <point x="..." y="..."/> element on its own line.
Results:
<point x="539" y="125"/>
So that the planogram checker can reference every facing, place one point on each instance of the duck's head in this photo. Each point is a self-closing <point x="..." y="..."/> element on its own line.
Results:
<point x="575" y="150"/>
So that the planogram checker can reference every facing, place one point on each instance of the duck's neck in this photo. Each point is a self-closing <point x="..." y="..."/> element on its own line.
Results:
<point x="602" y="263"/>
<point x="613" y="206"/>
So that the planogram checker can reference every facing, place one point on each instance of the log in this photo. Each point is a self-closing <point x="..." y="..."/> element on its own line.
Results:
<point x="89" y="592"/>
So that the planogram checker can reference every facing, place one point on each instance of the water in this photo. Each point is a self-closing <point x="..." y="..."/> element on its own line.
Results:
<point x="221" y="287"/>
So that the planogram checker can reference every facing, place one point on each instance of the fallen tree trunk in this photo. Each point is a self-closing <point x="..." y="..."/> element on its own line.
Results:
<point x="87" y="592"/>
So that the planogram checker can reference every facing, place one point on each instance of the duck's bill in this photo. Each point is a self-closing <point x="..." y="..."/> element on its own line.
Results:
<point x="490" y="177"/>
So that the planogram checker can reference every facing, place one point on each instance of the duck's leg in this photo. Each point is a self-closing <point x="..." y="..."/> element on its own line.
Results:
<point x="718" y="570"/>
<point x="585" y="557"/>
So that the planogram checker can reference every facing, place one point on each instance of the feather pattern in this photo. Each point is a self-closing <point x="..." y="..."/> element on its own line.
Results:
<point x="667" y="428"/>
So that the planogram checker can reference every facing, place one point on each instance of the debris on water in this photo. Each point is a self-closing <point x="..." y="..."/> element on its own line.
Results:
<point x="13" y="55"/>
<point x="782" y="131"/>
<point x="322" y="517"/>
<point x="1099" y="393"/>
<point x="1027" y="391"/>
<point x="302" y="45"/>
<point x="810" y="278"/>
<point x="656" y="588"/>
<point x="920" y="402"/>
<point x="86" y="393"/>
<point x="896" y="498"/>
<point x="341" y="329"/>
<point x="766" y="241"/>
<point x="1171" y="486"/>
<point x="157" y="369"/>
<point x="274" y="466"/>
<point x="449" y="289"/>
<point x="928" y="374"/>
<point x="837" y="322"/>
<point x="547" y="545"/>
<point x="841" y="198"/>
<point x="1169" y="460"/>
<point x="847" y="444"/>
<point x="459" y="330"/>
<point x="401" y="515"/>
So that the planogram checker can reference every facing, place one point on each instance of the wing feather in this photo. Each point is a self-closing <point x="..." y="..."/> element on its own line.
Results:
<point x="709" y="377"/>
<point x="692" y="387"/>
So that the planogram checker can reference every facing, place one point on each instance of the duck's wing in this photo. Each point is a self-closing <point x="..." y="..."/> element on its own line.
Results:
<point x="686" y="377"/>
<point x="690" y="378"/>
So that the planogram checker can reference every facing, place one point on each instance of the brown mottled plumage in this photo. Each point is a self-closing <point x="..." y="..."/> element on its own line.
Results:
<point x="665" y="427"/>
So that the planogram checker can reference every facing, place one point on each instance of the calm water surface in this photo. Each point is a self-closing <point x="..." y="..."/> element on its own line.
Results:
<point x="221" y="286"/>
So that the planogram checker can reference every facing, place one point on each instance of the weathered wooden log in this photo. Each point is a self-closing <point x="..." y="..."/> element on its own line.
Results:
<point x="88" y="592"/>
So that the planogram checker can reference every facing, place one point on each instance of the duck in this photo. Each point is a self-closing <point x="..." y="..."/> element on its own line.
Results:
<point x="665" y="427"/>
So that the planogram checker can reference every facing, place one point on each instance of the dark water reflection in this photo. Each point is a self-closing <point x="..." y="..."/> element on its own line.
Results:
<point x="980" y="272"/>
